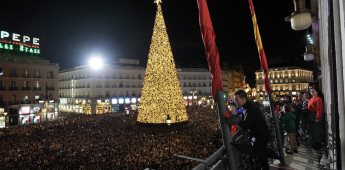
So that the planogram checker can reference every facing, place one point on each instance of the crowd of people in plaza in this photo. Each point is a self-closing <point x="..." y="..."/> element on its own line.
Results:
<point x="110" y="141"/>
<point x="117" y="141"/>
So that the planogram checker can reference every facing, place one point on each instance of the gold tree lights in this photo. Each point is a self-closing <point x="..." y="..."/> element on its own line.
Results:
<point x="161" y="98"/>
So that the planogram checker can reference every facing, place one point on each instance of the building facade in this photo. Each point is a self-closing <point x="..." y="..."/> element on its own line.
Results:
<point x="85" y="90"/>
<point x="26" y="82"/>
<point x="118" y="86"/>
<point x="284" y="81"/>
<point x="329" y="31"/>
<point x="235" y="79"/>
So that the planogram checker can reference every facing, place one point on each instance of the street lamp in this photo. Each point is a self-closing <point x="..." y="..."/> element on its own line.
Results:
<point x="309" y="54"/>
<point x="96" y="63"/>
<point x="301" y="18"/>
<point x="193" y="92"/>
<point x="168" y="120"/>
<point x="5" y="115"/>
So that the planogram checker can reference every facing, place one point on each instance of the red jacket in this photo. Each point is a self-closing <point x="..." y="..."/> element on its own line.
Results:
<point x="315" y="105"/>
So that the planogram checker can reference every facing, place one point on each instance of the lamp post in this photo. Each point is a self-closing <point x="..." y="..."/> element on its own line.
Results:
<point x="5" y="115"/>
<point x="96" y="65"/>
<point x="193" y="92"/>
<point x="45" y="104"/>
<point x="301" y="18"/>
<point x="309" y="54"/>
<point x="168" y="120"/>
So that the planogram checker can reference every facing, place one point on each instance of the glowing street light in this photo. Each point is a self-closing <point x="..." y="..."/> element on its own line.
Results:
<point x="96" y="63"/>
<point x="168" y="120"/>
<point x="193" y="91"/>
<point x="301" y="18"/>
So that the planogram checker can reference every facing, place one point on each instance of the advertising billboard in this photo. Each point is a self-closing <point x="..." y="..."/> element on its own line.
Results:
<point x="19" y="43"/>
<point x="25" y="110"/>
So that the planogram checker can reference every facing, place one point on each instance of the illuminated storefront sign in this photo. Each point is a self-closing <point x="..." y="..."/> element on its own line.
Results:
<point x="121" y="100"/>
<point x="25" y="110"/>
<point x="113" y="101"/>
<point x="19" y="43"/>
<point x="127" y="100"/>
<point x="134" y="100"/>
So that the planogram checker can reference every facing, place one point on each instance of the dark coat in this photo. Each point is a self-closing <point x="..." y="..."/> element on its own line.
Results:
<point x="256" y="123"/>
<point x="288" y="120"/>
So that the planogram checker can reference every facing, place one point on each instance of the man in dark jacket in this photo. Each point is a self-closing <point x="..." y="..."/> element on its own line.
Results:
<point x="254" y="121"/>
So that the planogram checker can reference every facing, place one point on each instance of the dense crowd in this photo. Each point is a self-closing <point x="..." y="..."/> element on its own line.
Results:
<point x="109" y="141"/>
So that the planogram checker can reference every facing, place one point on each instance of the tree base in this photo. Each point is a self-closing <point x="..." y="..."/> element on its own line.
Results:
<point x="164" y="126"/>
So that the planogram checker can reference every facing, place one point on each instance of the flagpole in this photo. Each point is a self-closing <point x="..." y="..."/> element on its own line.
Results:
<point x="264" y="67"/>
<point x="212" y="55"/>
<point x="225" y="129"/>
<point x="277" y="132"/>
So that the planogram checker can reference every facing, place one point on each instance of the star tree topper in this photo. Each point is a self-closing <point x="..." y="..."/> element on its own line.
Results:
<point x="158" y="2"/>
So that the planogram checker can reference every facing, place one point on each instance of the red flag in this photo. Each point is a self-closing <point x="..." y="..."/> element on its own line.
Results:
<point x="211" y="50"/>
<point x="262" y="55"/>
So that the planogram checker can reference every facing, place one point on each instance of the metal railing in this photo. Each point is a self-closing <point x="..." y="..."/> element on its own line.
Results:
<point x="225" y="154"/>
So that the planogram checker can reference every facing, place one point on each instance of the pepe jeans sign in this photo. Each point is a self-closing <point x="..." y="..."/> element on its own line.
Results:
<point x="16" y="42"/>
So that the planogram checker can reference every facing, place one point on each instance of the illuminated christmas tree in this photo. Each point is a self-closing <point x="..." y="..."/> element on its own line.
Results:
<point x="161" y="100"/>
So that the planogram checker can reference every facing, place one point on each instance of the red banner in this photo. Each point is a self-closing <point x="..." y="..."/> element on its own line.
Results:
<point x="211" y="49"/>
<point x="262" y="55"/>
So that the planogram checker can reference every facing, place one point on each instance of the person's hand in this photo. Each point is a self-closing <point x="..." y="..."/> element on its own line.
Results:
<point x="232" y="110"/>
<point x="317" y="120"/>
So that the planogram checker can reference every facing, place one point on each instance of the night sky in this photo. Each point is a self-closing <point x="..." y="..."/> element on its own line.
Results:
<point x="71" y="31"/>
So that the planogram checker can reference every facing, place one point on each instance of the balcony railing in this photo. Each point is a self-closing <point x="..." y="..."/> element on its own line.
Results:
<point x="13" y="75"/>
<point x="37" y="88"/>
<point x="81" y="96"/>
<point x="50" y="88"/>
<point x="26" y="88"/>
<point x="26" y="75"/>
<point x="13" y="102"/>
<point x="26" y="101"/>
<point x="13" y="88"/>
<point x="36" y="76"/>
